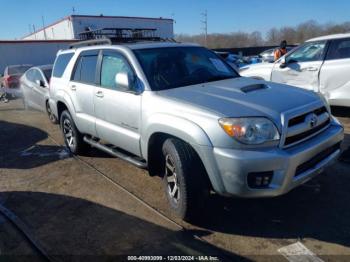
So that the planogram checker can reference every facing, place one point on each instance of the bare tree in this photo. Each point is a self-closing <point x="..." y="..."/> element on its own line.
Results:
<point x="293" y="35"/>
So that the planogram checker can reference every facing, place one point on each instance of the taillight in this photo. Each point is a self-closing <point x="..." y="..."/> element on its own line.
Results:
<point x="9" y="78"/>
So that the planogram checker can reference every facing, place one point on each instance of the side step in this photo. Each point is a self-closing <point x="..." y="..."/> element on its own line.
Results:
<point x="116" y="153"/>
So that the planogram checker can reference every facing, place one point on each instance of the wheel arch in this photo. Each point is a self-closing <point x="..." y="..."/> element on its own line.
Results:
<point x="162" y="128"/>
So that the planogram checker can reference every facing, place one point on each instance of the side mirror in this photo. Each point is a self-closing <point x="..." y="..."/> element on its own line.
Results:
<point x="283" y="62"/>
<point x="125" y="81"/>
<point x="40" y="83"/>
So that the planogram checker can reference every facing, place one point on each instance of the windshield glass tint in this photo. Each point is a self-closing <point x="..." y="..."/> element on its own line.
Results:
<point x="172" y="67"/>
<point x="14" y="70"/>
<point x="310" y="51"/>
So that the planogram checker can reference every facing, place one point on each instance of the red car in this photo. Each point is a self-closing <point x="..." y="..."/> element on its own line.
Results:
<point x="12" y="74"/>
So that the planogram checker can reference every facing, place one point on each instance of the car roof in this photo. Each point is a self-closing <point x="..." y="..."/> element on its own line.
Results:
<point x="44" y="67"/>
<point x="133" y="46"/>
<point x="13" y="66"/>
<point x="329" y="37"/>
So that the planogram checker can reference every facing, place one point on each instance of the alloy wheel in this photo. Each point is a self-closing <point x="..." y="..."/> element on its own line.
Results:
<point x="172" y="179"/>
<point x="68" y="132"/>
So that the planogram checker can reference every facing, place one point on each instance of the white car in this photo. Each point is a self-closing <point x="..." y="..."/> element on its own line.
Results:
<point x="320" y="64"/>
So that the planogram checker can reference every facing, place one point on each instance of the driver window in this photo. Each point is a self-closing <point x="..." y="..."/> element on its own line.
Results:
<point x="113" y="64"/>
<point x="30" y="75"/>
<point x="313" y="51"/>
<point x="37" y="75"/>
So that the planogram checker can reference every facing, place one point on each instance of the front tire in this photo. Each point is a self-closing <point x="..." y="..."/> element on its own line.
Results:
<point x="52" y="117"/>
<point x="72" y="137"/>
<point x="184" y="179"/>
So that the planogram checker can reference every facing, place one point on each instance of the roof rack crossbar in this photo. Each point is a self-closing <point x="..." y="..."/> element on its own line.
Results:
<point x="121" y="34"/>
<point x="100" y="41"/>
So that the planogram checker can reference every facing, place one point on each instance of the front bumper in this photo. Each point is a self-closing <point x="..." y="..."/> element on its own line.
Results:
<point x="233" y="166"/>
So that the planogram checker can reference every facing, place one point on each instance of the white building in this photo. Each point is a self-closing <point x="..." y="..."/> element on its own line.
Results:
<point x="69" y="27"/>
<point x="39" y="52"/>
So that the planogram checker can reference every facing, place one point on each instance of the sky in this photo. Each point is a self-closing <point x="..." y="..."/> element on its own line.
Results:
<point x="223" y="15"/>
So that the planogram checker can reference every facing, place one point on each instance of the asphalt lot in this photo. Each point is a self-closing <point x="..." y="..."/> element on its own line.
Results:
<point x="99" y="205"/>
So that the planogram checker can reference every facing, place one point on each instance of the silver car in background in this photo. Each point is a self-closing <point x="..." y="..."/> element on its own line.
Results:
<point x="35" y="88"/>
<point x="268" y="55"/>
<point x="321" y="64"/>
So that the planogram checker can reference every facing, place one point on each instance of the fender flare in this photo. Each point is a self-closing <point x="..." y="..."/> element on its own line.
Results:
<point x="189" y="132"/>
<point x="174" y="126"/>
<point x="63" y="97"/>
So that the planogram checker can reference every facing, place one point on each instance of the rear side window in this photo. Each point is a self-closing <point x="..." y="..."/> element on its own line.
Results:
<point x="85" y="70"/>
<point x="339" y="49"/>
<point x="61" y="64"/>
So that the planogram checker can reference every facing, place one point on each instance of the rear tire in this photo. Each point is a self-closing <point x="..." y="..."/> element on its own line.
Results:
<point x="185" y="180"/>
<point x="52" y="117"/>
<point x="71" y="135"/>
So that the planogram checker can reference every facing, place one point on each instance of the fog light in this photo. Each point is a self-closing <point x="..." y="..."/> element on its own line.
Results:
<point x="260" y="179"/>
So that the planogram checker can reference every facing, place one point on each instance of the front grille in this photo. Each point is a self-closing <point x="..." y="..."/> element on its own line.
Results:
<point x="300" y="119"/>
<point x="300" y="127"/>
<point x="301" y="136"/>
<point x="310" y="164"/>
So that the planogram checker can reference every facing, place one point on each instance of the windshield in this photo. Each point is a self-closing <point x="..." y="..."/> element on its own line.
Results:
<point x="173" y="67"/>
<point x="14" y="70"/>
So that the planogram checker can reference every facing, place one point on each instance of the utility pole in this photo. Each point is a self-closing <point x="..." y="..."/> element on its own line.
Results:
<point x="73" y="10"/>
<point x="30" y="28"/>
<point x="34" y="32"/>
<point x="42" y="17"/>
<point x="205" y="26"/>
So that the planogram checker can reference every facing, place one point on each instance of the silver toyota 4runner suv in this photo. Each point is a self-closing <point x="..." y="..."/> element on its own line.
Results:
<point x="181" y="112"/>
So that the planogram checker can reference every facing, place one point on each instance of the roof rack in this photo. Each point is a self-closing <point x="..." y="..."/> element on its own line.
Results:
<point x="122" y="35"/>
<point x="104" y="41"/>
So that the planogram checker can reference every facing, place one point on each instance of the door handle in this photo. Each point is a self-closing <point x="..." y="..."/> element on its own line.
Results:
<point x="311" y="69"/>
<point x="73" y="87"/>
<point x="99" y="93"/>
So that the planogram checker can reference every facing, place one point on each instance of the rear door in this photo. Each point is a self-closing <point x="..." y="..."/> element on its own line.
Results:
<point x="117" y="110"/>
<point x="302" y="66"/>
<point x="334" y="76"/>
<point x="81" y="89"/>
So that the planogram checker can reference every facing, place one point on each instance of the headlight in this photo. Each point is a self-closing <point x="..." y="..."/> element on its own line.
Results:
<point x="250" y="130"/>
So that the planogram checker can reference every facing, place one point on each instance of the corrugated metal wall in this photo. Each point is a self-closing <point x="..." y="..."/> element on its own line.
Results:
<point x="61" y="30"/>
<point x="36" y="53"/>
<point x="70" y="27"/>
<point x="164" y="26"/>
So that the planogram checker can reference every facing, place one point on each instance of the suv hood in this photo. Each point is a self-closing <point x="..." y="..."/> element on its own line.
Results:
<point x="241" y="97"/>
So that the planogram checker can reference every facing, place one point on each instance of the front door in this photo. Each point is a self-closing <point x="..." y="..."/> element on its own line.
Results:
<point x="117" y="110"/>
<point x="39" y="92"/>
<point x="301" y="67"/>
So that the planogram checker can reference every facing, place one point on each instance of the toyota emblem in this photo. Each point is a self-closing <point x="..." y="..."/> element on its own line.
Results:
<point x="312" y="120"/>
